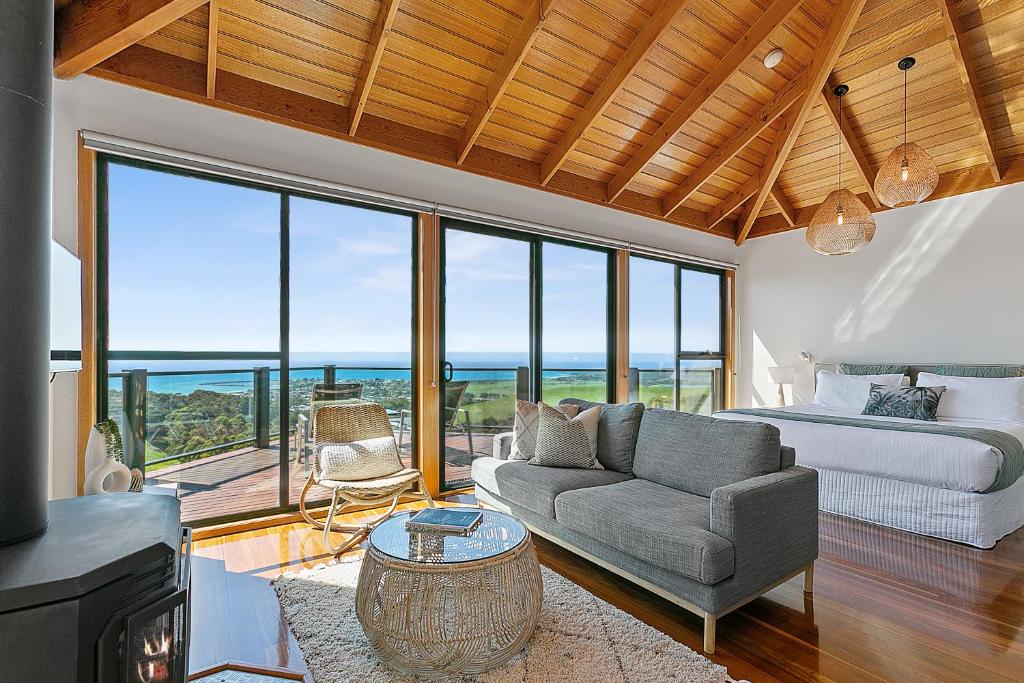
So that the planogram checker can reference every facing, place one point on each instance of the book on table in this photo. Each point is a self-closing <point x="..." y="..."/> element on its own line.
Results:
<point x="445" y="520"/>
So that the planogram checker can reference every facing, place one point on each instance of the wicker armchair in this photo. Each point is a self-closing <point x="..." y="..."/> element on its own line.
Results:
<point x="323" y="394"/>
<point x="355" y="456"/>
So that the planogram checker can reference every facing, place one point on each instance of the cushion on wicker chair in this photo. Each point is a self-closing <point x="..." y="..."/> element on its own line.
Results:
<point x="358" y="460"/>
<point x="375" y="489"/>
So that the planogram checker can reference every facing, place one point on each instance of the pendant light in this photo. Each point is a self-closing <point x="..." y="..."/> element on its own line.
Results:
<point x="842" y="224"/>
<point x="909" y="175"/>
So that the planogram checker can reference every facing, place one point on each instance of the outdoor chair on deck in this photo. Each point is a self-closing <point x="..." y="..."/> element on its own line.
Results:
<point x="355" y="456"/>
<point x="453" y="393"/>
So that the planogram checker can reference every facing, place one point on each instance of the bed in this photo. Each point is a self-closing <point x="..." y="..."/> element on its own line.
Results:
<point x="956" y="479"/>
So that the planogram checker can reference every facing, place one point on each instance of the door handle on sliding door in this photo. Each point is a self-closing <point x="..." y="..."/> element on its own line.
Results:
<point x="448" y="371"/>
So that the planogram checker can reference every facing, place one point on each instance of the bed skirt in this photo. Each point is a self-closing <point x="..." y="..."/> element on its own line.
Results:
<point x="978" y="519"/>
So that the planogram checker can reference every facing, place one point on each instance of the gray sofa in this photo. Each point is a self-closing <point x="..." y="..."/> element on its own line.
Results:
<point x="707" y="513"/>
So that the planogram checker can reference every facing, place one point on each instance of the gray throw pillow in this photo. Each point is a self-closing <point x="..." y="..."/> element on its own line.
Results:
<point x="912" y="403"/>
<point x="616" y="433"/>
<point x="564" y="441"/>
<point x="979" y="370"/>
<point x="872" y="369"/>
<point x="525" y="425"/>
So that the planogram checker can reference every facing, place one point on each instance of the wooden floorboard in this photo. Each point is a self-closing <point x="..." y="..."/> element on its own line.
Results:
<point x="888" y="606"/>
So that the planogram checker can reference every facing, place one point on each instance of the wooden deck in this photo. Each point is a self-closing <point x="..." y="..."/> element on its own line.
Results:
<point x="247" y="479"/>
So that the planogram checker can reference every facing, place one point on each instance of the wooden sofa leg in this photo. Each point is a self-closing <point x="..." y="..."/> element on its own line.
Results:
<point x="809" y="578"/>
<point x="709" y="633"/>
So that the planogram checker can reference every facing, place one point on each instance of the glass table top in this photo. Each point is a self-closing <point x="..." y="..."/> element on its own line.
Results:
<point x="498" y="533"/>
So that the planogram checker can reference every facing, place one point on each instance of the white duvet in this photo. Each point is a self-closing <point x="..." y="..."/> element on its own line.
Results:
<point x="931" y="459"/>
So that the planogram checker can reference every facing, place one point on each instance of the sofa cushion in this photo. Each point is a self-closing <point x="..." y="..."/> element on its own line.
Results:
<point x="656" y="524"/>
<point x="616" y="432"/>
<point x="697" y="454"/>
<point x="536" y="488"/>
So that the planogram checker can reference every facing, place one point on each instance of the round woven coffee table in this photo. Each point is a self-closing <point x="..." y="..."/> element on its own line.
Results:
<point x="434" y="605"/>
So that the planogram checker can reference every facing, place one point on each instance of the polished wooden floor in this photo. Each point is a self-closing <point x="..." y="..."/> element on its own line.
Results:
<point x="888" y="606"/>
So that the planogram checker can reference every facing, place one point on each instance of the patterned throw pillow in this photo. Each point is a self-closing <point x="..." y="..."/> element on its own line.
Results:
<point x="872" y="369"/>
<point x="914" y="403"/>
<point x="524" y="428"/>
<point x="567" y="442"/>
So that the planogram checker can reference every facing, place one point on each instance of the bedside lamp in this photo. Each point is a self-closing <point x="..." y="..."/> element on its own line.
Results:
<point x="782" y="376"/>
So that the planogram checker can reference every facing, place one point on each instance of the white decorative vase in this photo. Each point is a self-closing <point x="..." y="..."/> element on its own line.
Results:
<point x="110" y="477"/>
<point x="103" y="453"/>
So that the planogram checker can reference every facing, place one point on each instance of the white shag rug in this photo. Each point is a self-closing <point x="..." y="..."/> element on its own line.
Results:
<point x="579" y="639"/>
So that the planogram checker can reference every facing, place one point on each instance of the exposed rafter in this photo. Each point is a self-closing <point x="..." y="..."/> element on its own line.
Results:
<point x="783" y="204"/>
<point x="705" y="90"/>
<point x="951" y="183"/>
<point x="842" y="20"/>
<point x="368" y="71"/>
<point x="733" y="201"/>
<point x="211" y="49"/>
<point x="772" y="110"/>
<point x="87" y="32"/>
<point x="853" y="149"/>
<point x="510" y="62"/>
<point x="624" y="68"/>
<point x="955" y="35"/>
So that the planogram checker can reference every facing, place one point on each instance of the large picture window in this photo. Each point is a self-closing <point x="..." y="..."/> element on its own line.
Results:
<point x="214" y="291"/>
<point x="676" y="336"/>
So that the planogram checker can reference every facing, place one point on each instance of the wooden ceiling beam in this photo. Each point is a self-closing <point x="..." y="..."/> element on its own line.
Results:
<point x="965" y="67"/>
<point x="371" y="62"/>
<point x="783" y="204"/>
<point x="756" y="125"/>
<point x="89" y="31"/>
<point x="212" y="34"/>
<point x="503" y="74"/>
<point x="951" y="183"/>
<point x="705" y="90"/>
<point x="841" y="22"/>
<point x="167" y="74"/>
<point x="854" y="151"/>
<point x="733" y="201"/>
<point x="624" y="68"/>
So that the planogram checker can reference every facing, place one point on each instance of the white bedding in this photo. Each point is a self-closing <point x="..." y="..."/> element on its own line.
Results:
<point x="935" y="460"/>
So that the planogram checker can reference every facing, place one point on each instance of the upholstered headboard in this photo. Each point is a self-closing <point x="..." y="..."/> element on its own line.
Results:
<point x="916" y="369"/>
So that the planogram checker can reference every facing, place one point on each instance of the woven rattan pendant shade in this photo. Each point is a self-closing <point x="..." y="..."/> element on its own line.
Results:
<point x="921" y="176"/>
<point x="826" y="235"/>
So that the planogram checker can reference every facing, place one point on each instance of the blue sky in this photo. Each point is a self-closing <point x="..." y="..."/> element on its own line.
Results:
<point x="194" y="265"/>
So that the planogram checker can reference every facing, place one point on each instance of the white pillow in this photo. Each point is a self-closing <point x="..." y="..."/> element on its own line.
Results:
<point x="999" y="399"/>
<point x="850" y="392"/>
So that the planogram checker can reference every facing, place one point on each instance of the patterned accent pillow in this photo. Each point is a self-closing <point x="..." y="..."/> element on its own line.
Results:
<point x="524" y="428"/>
<point x="913" y="403"/>
<point x="567" y="442"/>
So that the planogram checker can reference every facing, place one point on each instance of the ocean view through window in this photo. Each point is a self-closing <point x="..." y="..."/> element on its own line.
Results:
<point x="211" y="289"/>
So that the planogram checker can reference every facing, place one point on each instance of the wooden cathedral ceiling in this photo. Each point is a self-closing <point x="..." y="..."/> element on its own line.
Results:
<point x="658" y="107"/>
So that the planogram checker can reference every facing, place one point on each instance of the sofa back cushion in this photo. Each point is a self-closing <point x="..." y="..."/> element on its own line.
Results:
<point x="698" y="454"/>
<point x="616" y="432"/>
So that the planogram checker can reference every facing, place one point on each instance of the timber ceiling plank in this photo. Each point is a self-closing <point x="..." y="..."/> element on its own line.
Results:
<point x="511" y="60"/>
<point x="841" y="23"/>
<point x="829" y="105"/>
<point x="958" y="42"/>
<point x="211" y="48"/>
<point x="698" y="97"/>
<point x="624" y="68"/>
<point x="371" y="62"/>
<point x="86" y="33"/>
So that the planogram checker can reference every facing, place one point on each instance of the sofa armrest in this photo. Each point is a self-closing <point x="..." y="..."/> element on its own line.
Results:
<point x="772" y="521"/>
<point x="502" y="445"/>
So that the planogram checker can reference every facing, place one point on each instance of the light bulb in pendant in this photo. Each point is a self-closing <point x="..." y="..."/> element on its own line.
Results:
<point x="839" y="215"/>
<point x="905" y="169"/>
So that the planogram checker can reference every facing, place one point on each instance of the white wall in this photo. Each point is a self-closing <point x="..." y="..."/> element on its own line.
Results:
<point x="941" y="282"/>
<point x="93" y="104"/>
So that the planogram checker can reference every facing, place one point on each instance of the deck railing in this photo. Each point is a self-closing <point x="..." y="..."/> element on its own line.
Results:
<point x="490" y="399"/>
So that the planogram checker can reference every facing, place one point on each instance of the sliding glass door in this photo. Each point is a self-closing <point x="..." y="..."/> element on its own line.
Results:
<point x="226" y="310"/>
<point x="521" y="317"/>
<point x="487" y="310"/>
